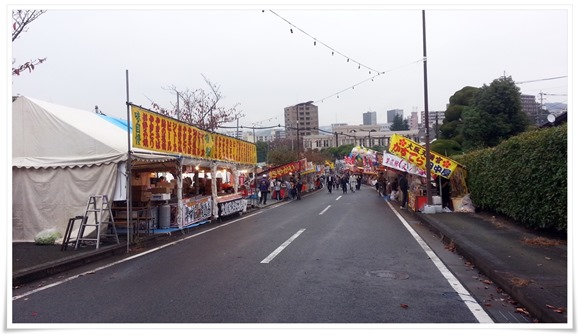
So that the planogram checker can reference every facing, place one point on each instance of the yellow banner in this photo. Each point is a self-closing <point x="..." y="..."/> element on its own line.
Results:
<point x="415" y="154"/>
<point x="163" y="134"/>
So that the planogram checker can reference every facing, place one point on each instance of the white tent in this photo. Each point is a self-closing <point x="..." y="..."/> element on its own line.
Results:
<point x="61" y="156"/>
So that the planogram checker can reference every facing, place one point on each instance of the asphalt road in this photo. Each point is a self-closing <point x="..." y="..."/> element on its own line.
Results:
<point x="329" y="258"/>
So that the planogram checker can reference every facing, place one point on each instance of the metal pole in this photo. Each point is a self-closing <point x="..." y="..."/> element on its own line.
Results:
<point x="427" y="151"/>
<point x="128" y="166"/>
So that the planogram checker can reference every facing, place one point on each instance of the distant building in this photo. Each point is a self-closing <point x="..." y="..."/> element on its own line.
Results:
<point x="414" y="121"/>
<point x="392" y="113"/>
<point x="301" y="119"/>
<point x="370" y="118"/>
<point x="435" y="117"/>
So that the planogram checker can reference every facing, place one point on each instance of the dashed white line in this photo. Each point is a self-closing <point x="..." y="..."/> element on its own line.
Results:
<point x="323" y="211"/>
<point x="281" y="247"/>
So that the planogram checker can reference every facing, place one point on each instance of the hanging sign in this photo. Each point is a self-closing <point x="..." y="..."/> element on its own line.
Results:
<point x="415" y="154"/>
<point x="156" y="132"/>
<point x="395" y="162"/>
<point x="286" y="169"/>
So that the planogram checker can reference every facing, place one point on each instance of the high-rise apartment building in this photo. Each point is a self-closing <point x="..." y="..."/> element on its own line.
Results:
<point x="414" y="121"/>
<point x="301" y="119"/>
<point x="392" y="113"/>
<point x="370" y="118"/>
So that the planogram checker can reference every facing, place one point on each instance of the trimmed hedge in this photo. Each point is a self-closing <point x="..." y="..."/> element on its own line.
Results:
<point x="523" y="178"/>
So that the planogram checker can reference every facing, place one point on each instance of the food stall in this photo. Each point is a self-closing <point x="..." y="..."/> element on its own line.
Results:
<point x="407" y="155"/>
<point x="195" y="191"/>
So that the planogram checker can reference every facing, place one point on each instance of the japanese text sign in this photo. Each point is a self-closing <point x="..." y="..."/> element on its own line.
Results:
<point x="163" y="134"/>
<point x="415" y="154"/>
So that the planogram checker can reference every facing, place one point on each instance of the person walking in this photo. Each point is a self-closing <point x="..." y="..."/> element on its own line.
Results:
<point x="403" y="188"/>
<point x="329" y="182"/>
<point x="344" y="182"/>
<point x="352" y="182"/>
<point x="298" y="189"/>
<point x="264" y="187"/>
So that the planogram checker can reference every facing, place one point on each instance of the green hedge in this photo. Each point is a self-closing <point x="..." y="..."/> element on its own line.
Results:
<point x="523" y="178"/>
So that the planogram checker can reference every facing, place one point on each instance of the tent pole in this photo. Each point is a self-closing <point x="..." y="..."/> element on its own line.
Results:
<point x="128" y="166"/>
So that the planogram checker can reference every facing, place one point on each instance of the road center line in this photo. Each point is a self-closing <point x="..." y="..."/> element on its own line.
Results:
<point x="323" y="211"/>
<point x="469" y="301"/>
<point x="281" y="247"/>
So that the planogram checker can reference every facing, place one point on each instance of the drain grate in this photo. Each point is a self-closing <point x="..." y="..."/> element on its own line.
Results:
<point x="391" y="275"/>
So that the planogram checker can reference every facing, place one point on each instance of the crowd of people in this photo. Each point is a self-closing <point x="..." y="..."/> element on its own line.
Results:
<point x="279" y="188"/>
<point x="396" y="189"/>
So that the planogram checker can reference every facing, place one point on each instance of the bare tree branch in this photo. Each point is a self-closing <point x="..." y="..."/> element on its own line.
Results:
<point x="199" y="108"/>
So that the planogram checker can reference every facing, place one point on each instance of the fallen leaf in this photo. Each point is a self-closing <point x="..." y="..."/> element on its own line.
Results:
<point x="404" y="306"/>
<point x="522" y="311"/>
<point x="548" y="258"/>
<point x="550" y="306"/>
<point x="487" y="282"/>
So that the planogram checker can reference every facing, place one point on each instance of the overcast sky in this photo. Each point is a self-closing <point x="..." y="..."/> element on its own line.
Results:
<point x="261" y="65"/>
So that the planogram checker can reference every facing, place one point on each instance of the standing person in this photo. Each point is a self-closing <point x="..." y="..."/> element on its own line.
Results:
<point x="329" y="182"/>
<point x="344" y="182"/>
<point x="298" y="188"/>
<point x="381" y="181"/>
<point x="288" y="189"/>
<point x="404" y="188"/>
<point x="264" y="187"/>
<point x="358" y="181"/>
<point x="352" y="182"/>
<point x="277" y="188"/>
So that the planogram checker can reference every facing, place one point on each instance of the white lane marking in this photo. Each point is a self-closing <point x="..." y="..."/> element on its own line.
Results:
<point x="338" y="197"/>
<point x="281" y="247"/>
<point x="14" y="298"/>
<point x="469" y="301"/>
<point x="323" y="211"/>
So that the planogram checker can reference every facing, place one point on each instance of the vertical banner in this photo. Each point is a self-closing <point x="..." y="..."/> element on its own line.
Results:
<point x="415" y="154"/>
<point x="155" y="132"/>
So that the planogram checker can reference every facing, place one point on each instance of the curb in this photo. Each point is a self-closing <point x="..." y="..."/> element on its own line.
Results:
<point x="523" y="295"/>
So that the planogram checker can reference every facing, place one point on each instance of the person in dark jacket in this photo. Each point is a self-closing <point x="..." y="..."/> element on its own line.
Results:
<point x="264" y="187"/>
<point x="404" y="188"/>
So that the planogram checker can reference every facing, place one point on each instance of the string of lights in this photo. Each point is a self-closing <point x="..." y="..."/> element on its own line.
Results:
<point x="348" y="59"/>
<point x="333" y="51"/>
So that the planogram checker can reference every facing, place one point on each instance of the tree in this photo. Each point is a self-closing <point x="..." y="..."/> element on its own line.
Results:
<point x="200" y="108"/>
<point x="20" y="21"/>
<point x="281" y="152"/>
<point x="317" y="156"/>
<point x="453" y="122"/>
<point x="338" y="153"/>
<point x="399" y="124"/>
<point x="446" y="147"/>
<point x="262" y="150"/>
<point x="494" y="115"/>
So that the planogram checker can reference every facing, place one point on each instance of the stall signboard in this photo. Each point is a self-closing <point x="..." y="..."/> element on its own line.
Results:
<point x="286" y="169"/>
<point x="395" y="162"/>
<point x="156" y="132"/>
<point x="415" y="154"/>
<point x="196" y="209"/>
<point x="232" y="206"/>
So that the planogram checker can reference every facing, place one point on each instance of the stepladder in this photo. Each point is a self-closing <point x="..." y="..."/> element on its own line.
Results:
<point x="98" y="215"/>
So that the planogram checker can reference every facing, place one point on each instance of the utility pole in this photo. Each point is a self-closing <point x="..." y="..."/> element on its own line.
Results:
<point x="427" y="150"/>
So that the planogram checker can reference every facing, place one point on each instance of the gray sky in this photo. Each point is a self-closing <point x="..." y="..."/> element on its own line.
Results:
<point x="260" y="64"/>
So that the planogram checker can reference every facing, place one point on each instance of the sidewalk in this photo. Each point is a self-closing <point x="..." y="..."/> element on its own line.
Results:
<point x="526" y="265"/>
<point x="521" y="262"/>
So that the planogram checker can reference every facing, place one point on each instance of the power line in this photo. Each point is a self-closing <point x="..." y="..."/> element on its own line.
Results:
<point x="540" y="80"/>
